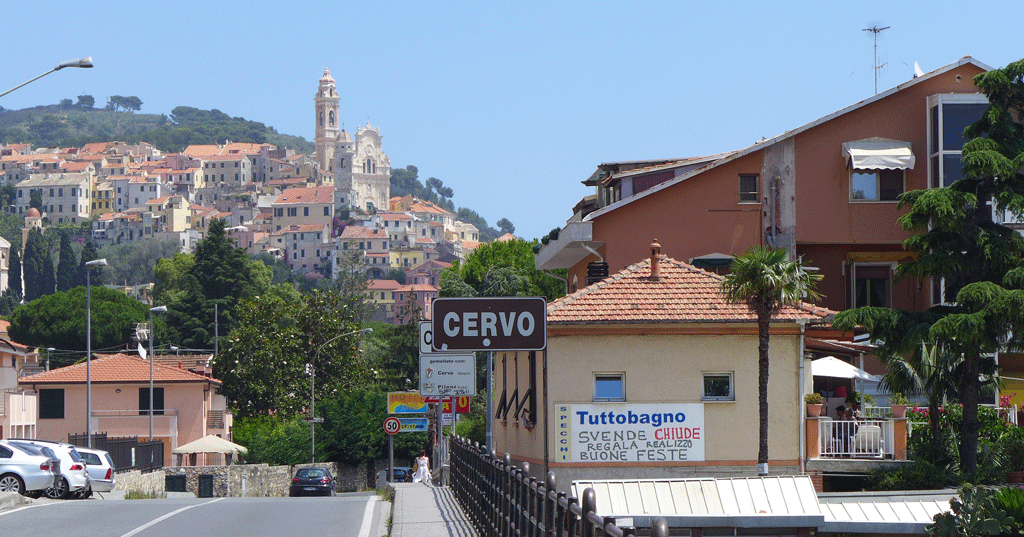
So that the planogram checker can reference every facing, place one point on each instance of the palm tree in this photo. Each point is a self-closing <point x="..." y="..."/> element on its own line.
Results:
<point x="767" y="280"/>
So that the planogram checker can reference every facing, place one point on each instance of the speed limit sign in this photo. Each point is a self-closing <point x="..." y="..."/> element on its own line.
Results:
<point x="392" y="425"/>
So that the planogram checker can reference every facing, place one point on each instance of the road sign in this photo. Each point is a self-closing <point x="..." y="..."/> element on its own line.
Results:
<point x="413" y="425"/>
<point x="392" y="425"/>
<point x="447" y="374"/>
<point x="489" y="324"/>
<point x="313" y="420"/>
<point x="406" y="403"/>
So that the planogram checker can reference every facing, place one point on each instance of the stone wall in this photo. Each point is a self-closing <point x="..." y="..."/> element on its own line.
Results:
<point x="149" y="483"/>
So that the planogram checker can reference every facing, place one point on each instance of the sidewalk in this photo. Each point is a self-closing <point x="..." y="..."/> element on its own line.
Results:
<point x="427" y="511"/>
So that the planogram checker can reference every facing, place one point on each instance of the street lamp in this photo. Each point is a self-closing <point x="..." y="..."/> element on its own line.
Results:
<point x="158" y="309"/>
<point x="85" y="62"/>
<point x="311" y="368"/>
<point x="48" y="351"/>
<point x="88" y="344"/>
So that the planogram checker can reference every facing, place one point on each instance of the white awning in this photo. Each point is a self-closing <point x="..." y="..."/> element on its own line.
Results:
<point x="878" y="154"/>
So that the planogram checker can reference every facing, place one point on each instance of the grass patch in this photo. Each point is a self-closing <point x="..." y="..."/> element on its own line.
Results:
<point x="387" y="494"/>
<point x="139" y="495"/>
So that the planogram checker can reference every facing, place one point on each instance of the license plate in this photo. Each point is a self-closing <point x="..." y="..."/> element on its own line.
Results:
<point x="309" y="488"/>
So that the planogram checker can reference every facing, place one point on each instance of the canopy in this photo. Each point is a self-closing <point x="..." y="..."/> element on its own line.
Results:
<point x="210" y="444"/>
<point x="878" y="154"/>
<point x="830" y="366"/>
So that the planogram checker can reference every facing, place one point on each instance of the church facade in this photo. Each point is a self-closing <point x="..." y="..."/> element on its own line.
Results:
<point x="358" y="165"/>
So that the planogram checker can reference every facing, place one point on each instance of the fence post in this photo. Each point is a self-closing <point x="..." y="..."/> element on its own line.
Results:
<point x="570" y="518"/>
<point x="589" y="506"/>
<point x="524" y="498"/>
<point x="659" y="528"/>
<point x="550" y="504"/>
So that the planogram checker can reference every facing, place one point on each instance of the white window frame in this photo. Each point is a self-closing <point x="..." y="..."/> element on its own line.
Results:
<point x="878" y="185"/>
<point x="939" y="100"/>
<point x="718" y="398"/>
<point x="621" y="375"/>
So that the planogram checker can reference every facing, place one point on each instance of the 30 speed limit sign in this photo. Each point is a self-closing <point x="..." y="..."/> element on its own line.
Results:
<point x="392" y="425"/>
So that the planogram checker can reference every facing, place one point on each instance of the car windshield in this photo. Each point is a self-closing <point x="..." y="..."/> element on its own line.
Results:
<point x="48" y="452"/>
<point x="31" y="450"/>
<point x="311" y="472"/>
<point x="91" y="458"/>
<point x="75" y="456"/>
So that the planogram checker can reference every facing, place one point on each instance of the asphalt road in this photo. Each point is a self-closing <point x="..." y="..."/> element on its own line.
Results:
<point x="350" y="515"/>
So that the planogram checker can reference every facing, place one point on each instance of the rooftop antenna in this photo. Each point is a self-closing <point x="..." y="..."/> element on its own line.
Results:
<point x="875" y="30"/>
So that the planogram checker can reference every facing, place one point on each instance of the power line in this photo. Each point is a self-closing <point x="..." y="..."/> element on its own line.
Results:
<point x="875" y="30"/>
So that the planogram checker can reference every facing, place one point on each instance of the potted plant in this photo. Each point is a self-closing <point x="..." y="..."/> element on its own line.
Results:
<point x="898" y="405"/>
<point x="813" y="401"/>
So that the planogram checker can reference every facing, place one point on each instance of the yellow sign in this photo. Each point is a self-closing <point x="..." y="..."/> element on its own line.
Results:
<point x="406" y="403"/>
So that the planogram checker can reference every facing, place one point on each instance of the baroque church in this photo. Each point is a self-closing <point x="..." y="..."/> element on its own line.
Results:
<point x="360" y="168"/>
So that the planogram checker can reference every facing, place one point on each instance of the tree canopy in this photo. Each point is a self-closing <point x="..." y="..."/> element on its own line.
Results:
<point x="58" y="320"/>
<point x="501" y="269"/>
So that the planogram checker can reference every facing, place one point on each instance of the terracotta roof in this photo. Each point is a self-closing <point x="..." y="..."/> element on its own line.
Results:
<point x="300" y="195"/>
<point x="77" y="166"/>
<point x="382" y="285"/>
<point x="363" y="232"/>
<point x="115" y="368"/>
<point x="507" y="237"/>
<point x="419" y="287"/>
<point x="685" y="294"/>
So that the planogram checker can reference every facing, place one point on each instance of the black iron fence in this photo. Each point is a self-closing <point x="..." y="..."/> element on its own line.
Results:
<point x="127" y="452"/>
<point x="503" y="500"/>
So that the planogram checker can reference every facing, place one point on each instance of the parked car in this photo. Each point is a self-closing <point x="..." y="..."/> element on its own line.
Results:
<point x="401" y="474"/>
<point x="26" y="471"/>
<point x="74" y="481"/>
<point x="313" y="481"/>
<point x="100" y="467"/>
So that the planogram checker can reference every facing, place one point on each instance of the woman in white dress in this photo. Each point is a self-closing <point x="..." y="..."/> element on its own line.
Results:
<point x="422" y="474"/>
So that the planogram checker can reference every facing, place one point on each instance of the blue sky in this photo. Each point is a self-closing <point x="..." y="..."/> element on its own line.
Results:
<point x="511" y="104"/>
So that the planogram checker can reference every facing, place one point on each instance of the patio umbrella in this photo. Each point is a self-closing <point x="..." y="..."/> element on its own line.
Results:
<point x="210" y="444"/>
<point x="830" y="366"/>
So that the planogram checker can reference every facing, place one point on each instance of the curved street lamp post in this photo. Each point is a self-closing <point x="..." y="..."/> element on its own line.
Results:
<point x="85" y="62"/>
<point x="88" y="342"/>
<point x="311" y="369"/>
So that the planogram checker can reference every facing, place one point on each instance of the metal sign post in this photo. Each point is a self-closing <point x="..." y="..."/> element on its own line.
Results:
<point x="391" y="457"/>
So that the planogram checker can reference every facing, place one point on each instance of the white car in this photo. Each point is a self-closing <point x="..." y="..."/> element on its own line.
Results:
<point x="26" y="471"/>
<point x="74" y="479"/>
<point x="100" y="467"/>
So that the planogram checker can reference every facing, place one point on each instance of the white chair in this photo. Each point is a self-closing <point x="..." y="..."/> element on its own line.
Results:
<point x="868" y="441"/>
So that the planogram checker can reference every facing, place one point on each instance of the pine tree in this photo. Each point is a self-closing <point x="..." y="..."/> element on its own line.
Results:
<point x="67" y="265"/>
<point x="89" y="253"/>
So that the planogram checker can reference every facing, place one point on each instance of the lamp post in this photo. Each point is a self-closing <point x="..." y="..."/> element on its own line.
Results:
<point x="311" y="368"/>
<point x="158" y="309"/>
<point x="85" y="62"/>
<point x="48" y="351"/>
<point x="88" y="344"/>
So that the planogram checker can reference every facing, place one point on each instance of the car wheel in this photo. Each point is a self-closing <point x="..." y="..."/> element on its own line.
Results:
<point x="87" y="494"/>
<point x="59" y="492"/>
<point x="11" y="483"/>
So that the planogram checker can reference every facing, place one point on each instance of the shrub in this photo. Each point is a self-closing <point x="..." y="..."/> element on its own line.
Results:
<point x="898" y="399"/>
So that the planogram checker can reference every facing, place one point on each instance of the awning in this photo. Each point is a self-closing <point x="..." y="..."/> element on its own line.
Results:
<point x="830" y="366"/>
<point x="210" y="444"/>
<point x="878" y="154"/>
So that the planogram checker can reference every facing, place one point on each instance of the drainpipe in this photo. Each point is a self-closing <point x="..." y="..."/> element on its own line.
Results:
<point x="800" y="399"/>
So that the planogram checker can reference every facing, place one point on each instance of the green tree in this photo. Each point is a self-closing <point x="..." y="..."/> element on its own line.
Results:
<point x="352" y="430"/>
<point x="516" y="258"/>
<point x="90" y="253"/>
<point x="8" y="195"/>
<point x="14" y="270"/>
<point x="505" y="225"/>
<point x="396" y="274"/>
<point x="34" y="265"/>
<point x="58" y="320"/>
<point x="67" y="265"/>
<point x="35" y="199"/>
<point x="85" y="101"/>
<point x="48" y="131"/>
<point x="767" y="280"/>
<point x="134" y="262"/>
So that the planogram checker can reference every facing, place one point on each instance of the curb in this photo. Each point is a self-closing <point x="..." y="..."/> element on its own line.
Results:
<point x="12" y="499"/>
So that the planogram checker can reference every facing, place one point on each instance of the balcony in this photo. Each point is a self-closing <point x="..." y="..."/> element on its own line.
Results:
<point x="855" y="446"/>
<point x="574" y="243"/>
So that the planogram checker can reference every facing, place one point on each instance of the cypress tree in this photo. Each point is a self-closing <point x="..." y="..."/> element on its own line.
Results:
<point x="14" y="273"/>
<point x="48" y="280"/>
<point x="67" y="265"/>
<point x="33" y="265"/>
<point x="89" y="252"/>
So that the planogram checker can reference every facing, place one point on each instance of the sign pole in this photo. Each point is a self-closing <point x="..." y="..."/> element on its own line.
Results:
<point x="490" y="395"/>
<point x="391" y="458"/>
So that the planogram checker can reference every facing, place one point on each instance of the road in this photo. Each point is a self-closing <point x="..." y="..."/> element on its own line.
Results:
<point x="350" y="515"/>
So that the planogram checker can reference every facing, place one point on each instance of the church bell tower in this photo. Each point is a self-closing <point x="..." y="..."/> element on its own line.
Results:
<point x="326" y="122"/>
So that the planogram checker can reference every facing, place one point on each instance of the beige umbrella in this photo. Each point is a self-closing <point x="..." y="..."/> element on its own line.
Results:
<point x="210" y="444"/>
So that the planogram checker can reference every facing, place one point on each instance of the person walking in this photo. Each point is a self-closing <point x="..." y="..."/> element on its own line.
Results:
<point x="422" y="473"/>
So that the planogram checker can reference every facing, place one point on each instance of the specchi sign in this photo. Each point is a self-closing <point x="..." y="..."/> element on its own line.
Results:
<point x="489" y="324"/>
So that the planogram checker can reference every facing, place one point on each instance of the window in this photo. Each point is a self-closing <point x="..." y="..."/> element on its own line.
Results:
<point x="609" y="387"/>
<point x="948" y="116"/>
<point x="158" y="401"/>
<point x="327" y="211"/>
<point x="871" y="285"/>
<point x="748" y="188"/>
<point x="305" y="211"/>
<point x="293" y="211"/>
<point x="718" y="387"/>
<point x="876" y="185"/>
<point x="51" y="404"/>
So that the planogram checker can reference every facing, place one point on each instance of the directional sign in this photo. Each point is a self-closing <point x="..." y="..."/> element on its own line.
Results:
<point x="489" y="324"/>
<point x="317" y="419"/>
<point x="392" y="425"/>
<point x="413" y="425"/>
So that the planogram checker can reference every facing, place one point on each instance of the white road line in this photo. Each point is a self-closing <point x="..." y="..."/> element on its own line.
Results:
<point x="364" y="528"/>
<point x="165" y="517"/>
<point x="15" y="510"/>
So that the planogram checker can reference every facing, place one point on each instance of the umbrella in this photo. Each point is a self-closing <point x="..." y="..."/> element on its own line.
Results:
<point x="210" y="444"/>
<point x="830" y="366"/>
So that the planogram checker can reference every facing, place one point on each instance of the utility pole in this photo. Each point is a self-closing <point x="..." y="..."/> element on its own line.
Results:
<point x="875" y="30"/>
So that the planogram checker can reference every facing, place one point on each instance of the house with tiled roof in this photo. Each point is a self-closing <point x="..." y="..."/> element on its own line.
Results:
<point x="65" y="195"/>
<point x="382" y="295"/>
<point x="185" y="404"/>
<point x="414" y="300"/>
<point x="17" y="408"/>
<point x="304" y="206"/>
<point x="372" y="245"/>
<point x="306" y="247"/>
<point x="652" y="372"/>
<point x="428" y="272"/>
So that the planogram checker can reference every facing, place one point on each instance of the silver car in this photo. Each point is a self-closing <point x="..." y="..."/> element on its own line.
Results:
<point x="100" y="467"/>
<point x="25" y="472"/>
<point x="74" y="481"/>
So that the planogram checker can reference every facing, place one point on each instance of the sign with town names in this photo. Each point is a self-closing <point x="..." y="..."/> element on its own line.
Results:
<point x="612" y="433"/>
<point x="489" y="324"/>
<point x="447" y="374"/>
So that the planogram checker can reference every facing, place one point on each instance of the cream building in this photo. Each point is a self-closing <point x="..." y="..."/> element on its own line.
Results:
<point x="361" y="169"/>
<point x="66" y="196"/>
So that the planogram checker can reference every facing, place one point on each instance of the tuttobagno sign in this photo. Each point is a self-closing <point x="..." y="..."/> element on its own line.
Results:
<point x="621" y="432"/>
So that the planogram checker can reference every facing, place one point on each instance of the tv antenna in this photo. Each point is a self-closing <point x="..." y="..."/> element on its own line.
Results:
<point x="875" y="30"/>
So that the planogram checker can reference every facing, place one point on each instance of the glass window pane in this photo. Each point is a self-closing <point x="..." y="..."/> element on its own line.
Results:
<point x="933" y="117"/>
<point x="864" y="186"/>
<point x="952" y="169"/>
<point x="608" y="387"/>
<point x="890" y="184"/>
<point x="717" y="386"/>
<point x="956" y="118"/>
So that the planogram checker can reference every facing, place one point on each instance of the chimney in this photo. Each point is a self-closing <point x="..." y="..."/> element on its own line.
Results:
<point x="655" y="261"/>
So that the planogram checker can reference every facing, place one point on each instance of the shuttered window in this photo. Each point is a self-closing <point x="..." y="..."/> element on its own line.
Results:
<point x="51" y="404"/>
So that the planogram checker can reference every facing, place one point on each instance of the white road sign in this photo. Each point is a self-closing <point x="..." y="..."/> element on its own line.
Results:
<point x="447" y="374"/>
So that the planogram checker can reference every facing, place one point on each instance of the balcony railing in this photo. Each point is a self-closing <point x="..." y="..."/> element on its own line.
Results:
<point x="870" y="439"/>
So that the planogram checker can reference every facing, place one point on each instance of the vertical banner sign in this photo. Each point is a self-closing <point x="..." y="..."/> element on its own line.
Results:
<point x="655" y="432"/>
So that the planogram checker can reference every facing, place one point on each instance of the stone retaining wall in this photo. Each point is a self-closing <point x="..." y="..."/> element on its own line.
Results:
<point x="149" y="483"/>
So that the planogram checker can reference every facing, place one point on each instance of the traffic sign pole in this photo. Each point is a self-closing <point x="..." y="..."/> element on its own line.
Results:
<point x="391" y="457"/>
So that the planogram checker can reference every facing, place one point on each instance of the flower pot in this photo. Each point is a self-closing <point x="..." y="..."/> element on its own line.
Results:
<point x="899" y="411"/>
<point x="813" y="411"/>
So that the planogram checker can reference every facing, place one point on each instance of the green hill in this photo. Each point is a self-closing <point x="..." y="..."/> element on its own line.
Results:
<point x="71" y="125"/>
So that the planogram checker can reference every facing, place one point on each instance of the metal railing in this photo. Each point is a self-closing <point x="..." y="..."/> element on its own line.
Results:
<point x="127" y="453"/>
<point x="856" y="439"/>
<point x="500" y="499"/>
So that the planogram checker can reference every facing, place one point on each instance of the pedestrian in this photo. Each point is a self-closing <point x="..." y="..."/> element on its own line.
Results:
<point x="422" y="473"/>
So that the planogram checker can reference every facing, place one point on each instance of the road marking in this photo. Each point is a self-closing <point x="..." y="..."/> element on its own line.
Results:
<point x="364" y="528"/>
<point x="7" y="512"/>
<point x="165" y="517"/>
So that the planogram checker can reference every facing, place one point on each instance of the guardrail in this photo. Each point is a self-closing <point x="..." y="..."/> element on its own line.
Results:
<point x="500" y="499"/>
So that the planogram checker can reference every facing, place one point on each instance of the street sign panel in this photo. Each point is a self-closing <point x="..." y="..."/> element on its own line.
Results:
<point x="447" y="374"/>
<point x="489" y="324"/>
<point x="462" y="405"/>
<point x="406" y="403"/>
<point x="413" y="425"/>
<point x="392" y="425"/>
<point x="317" y="419"/>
